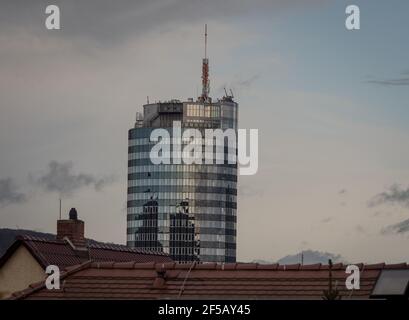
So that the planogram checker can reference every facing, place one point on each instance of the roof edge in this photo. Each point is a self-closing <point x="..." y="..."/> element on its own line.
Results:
<point x="10" y="250"/>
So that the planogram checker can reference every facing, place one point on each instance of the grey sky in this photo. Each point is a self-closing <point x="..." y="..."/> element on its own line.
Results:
<point x="9" y="193"/>
<point x="60" y="178"/>
<point x="68" y="97"/>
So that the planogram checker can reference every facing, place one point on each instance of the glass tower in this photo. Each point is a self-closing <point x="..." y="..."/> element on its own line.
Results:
<point x="186" y="210"/>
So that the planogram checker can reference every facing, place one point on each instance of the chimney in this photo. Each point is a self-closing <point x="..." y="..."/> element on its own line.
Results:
<point x="73" y="229"/>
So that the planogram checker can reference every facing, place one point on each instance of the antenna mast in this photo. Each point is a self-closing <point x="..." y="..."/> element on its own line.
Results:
<point x="205" y="41"/>
<point x="205" y="73"/>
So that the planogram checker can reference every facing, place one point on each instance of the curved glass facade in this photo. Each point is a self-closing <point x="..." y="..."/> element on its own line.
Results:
<point x="188" y="211"/>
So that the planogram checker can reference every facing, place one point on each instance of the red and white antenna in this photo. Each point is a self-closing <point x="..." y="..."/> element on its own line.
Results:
<point x="205" y="73"/>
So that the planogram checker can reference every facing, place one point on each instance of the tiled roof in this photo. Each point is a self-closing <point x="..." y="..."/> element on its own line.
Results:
<point x="61" y="253"/>
<point x="132" y="280"/>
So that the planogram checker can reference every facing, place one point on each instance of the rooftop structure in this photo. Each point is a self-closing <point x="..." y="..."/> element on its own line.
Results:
<point x="185" y="210"/>
<point x="210" y="281"/>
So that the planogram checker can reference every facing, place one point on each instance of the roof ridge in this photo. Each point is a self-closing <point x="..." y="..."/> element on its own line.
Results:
<point x="27" y="237"/>
<point x="251" y="266"/>
<point x="121" y="247"/>
<point x="91" y="244"/>
<point x="171" y="265"/>
<point x="209" y="281"/>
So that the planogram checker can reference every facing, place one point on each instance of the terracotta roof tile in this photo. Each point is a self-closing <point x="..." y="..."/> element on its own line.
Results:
<point x="183" y="266"/>
<point x="169" y="265"/>
<point x="268" y="266"/>
<point x="124" y="265"/>
<point x="359" y="265"/>
<point x="146" y="265"/>
<point x="374" y="266"/>
<point x="246" y="266"/>
<point x="396" y="266"/>
<point x="206" y="266"/>
<point x="105" y="265"/>
<point x="311" y="267"/>
<point x="228" y="266"/>
<point x="336" y="266"/>
<point x="205" y="281"/>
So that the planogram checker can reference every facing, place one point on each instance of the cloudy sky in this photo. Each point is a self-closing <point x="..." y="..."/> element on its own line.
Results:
<point x="331" y="106"/>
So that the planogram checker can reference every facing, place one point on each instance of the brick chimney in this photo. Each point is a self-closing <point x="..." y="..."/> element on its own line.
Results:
<point x="73" y="229"/>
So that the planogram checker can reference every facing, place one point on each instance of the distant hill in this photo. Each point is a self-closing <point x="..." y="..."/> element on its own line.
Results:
<point x="7" y="237"/>
<point x="310" y="257"/>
